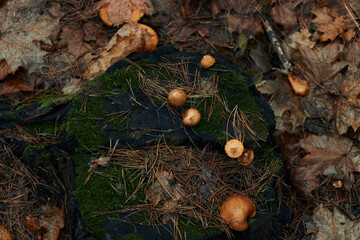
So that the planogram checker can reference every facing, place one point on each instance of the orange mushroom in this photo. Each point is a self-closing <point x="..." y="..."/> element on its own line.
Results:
<point x="151" y="41"/>
<point x="177" y="97"/>
<point x="234" y="148"/>
<point x="191" y="117"/>
<point x="207" y="61"/>
<point x="235" y="211"/>
<point x="246" y="157"/>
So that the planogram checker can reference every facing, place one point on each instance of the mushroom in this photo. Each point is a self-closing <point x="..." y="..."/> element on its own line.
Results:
<point x="191" y="117"/>
<point x="234" y="148"/>
<point x="300" y="87"/>
<point x="207" y="61"/>
<point x="235" y="211"/>
<point x="177" y="97"/>
<point x="246" y="157"/>
<point x="151" y="40"/>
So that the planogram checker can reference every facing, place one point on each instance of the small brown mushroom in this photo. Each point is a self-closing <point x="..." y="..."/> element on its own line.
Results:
<point x="235" y="211"/>
<point x="234" y="148"/>
<point x="246" y="157"/>
<point x="191" y="117"/>
<point x="177" y="97"/>
<point x="207" y="61"/>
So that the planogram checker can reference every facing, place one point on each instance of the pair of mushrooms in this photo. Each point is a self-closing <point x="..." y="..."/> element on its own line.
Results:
<point x="237" y="208"/>
<point x="177" y="98"/>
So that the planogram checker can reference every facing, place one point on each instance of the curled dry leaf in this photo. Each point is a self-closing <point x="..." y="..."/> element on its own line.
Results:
<point x="334" y="225"/>
<point x="117" y="12"/>
<point x="300" y="87"/>
<point x="132" y="37"/>
<point x="5" y="234"/>
<point x="23" y="26"/>
<point x="52" y="220"/>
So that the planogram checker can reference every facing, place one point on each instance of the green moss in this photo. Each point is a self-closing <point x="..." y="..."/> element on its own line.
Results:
<point x="104" y="192"/>
<point x="31" y="149"/>
<point x="193" y="230"/>
<point x="83" y="122"/>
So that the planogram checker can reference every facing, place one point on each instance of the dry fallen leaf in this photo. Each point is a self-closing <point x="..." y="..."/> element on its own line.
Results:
<point x="283" y="102"/>
<point x="299" y="38"/>
<point x="334" y="225"/>
<point x="94" y="32"/>
<point x="15" y="83"/>
<point x="23" y="25"/>
<point x="284" y="15"/>
<point x="52" y="220"/>
<point x="72" y="36"/>
<point x="300" y="86"/>
<point x="322" y="62"/>
<point x="348" y="107"/>
<point x="326" y="155"/>
<point x="247" y="25"/>
<point x="116" y="12"/>
<point x="32" y="224"/>
<point x="132" y="37"/>
<point x="333" y="25"/>
<point x="5" y="234"/>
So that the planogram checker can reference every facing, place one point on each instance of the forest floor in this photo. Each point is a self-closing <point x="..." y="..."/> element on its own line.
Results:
<point x="303" y="57"/>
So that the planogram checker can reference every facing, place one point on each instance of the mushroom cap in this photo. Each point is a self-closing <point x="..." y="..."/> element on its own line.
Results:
<point x="235" y="211"/>
<point x="136" y="15"/>
<point x="191" y="117"/>
<point x="177" y="97"/>
<point x="151" y="41"/>
<point x="246" y="157"/>
<point x="103" y="14"/>
<point x="207" y="61"/>
<point x="234" y="148"/>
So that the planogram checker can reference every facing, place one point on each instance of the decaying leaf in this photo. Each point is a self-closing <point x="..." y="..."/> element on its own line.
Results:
<point x="5" y="234"/>
<point x="325" y="155"/>
<point x="283" y="101"/>
<point x="245" y="24"/>
<point x="94" y="32"/>
<point x="164" y="191"/>
<point x="300" y="38"/>
<point x="117" y="12"/>
<point x="322" y="63"/>
<point x="334" y="225"/>
<point x="32" y="224"/>
<point x="132" y="37"/>
<point x="284" y="15"/>
<point x="23" y="25"/>
<point x="50" y="222"/>
<point x="4" y="69"/>
<point x="72" y="36"/>
<point x="15" y="83"/>
<point x="348" y="108"/>
<point x="333" y="25"/>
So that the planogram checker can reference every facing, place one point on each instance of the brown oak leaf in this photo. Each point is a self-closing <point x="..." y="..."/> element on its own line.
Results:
<point x="333" y="25"/>
<point x="72" y="36"/>
<point x="325" y="155"/>
<point x="284" y="15"/>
